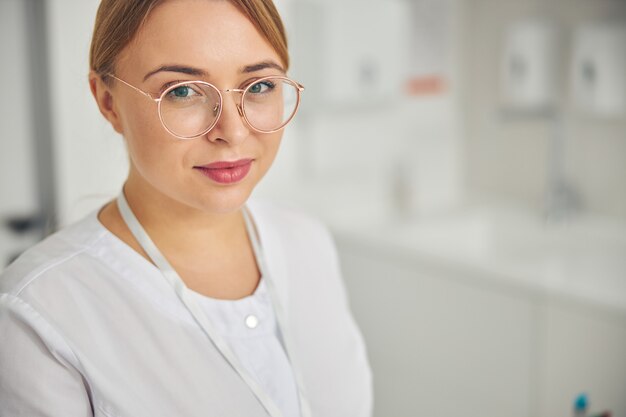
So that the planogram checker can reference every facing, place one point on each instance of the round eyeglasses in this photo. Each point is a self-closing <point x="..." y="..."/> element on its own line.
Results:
<point x="189" y="109"/>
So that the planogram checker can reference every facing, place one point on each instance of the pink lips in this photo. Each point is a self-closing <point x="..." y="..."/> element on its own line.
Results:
<point x="226" y="172"/>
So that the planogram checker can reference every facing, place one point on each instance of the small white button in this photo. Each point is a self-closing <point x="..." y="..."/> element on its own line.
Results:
<point x="252" y="321"/>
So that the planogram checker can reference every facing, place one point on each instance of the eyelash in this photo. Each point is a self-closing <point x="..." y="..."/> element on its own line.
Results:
<point x="171" y="83"/>
<point x="168" y="85"/>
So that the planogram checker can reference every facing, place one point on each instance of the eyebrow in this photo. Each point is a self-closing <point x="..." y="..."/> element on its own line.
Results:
<point x="201" y="73"/>
<point x="176" y="68"/>
<point x="261" y="66"/>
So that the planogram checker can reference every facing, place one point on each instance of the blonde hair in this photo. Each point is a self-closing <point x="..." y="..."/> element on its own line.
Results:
<point x="117" y="22"/>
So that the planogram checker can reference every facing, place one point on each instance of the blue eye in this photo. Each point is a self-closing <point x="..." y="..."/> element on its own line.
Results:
<point x="261" y="87"/>
<point x="183" y="91"/>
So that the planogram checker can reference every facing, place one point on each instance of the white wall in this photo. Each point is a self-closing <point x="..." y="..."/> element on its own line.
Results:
<point x="509" y="159"/>
<point x="18" y="196"/>
<point x="17" y="181"/>
<point x="90" y="158"/>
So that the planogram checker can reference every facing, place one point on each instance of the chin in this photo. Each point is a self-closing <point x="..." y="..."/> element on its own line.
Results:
<point x="225" y="201"/>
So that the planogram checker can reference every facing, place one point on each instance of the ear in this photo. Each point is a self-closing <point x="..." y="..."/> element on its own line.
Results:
<point x="104" y="98"/>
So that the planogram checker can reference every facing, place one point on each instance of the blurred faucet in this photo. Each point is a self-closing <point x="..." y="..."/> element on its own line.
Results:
<point x="562" y="200"/>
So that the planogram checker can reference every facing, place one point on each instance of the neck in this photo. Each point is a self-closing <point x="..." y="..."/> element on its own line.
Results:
<point x="182" y="230"/>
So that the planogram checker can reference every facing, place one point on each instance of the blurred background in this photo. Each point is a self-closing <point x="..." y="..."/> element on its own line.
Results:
<point x="469" y="157"/>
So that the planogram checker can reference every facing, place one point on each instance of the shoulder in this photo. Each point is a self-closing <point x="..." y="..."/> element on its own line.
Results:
<point x="58" y="252"/>
<point x="291" y="227"/>
<point x="288" y="222"/>
<point x="299" y="248"/>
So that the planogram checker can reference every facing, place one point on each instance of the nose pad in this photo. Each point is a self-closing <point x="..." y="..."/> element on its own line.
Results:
<point x="234" y="128"/>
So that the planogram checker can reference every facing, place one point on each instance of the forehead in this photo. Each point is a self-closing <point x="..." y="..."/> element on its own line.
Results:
<point x="208" y="34"/>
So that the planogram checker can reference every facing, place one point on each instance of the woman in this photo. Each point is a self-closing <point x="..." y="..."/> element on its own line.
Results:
<point x="181" y="297"/>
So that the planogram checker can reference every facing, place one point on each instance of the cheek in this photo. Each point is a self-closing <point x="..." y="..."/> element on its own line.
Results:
<point x="140" y="119"/>
<point x="271" y="144"/>
<point x="150" y="146"/>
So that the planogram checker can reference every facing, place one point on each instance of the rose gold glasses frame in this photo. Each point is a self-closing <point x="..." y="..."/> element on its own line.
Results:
<point x="240" y="107"/>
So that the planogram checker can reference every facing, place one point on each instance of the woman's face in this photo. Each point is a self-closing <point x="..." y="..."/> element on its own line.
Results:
<point x="206" y="40"/>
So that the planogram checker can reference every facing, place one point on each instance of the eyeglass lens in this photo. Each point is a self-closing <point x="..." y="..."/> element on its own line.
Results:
<point x="188" y="110"/>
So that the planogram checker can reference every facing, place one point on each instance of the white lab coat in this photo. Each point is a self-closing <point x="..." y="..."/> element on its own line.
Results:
<point x="89" y="327"/>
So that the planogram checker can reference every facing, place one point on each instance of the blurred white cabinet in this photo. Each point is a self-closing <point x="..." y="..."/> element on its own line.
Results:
<point x="445" y="343"/>
<point x="530" y="65"/>
<point x="438" y="347"/>
<point x="599" y="69"/>
<point x="347" y="52"/>
<point x="581" y="351"/>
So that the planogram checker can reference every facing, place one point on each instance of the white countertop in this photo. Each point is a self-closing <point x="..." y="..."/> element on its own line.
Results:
<point x="583" y="259"/>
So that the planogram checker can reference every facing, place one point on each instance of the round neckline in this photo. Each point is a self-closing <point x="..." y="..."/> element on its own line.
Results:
<point x="258" y="292"/>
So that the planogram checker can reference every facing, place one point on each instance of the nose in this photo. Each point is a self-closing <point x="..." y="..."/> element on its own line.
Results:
<point x="231" y="126"/>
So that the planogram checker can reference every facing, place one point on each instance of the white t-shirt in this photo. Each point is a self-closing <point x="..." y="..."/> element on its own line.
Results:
<point x="91" y="328"/>
<point x="249" y="327"/>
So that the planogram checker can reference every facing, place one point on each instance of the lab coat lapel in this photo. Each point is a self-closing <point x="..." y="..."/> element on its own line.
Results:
<point x="273" y="250"/>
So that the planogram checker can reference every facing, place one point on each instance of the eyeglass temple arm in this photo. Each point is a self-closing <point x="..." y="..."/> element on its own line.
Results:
<point x="134" y="88"/>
